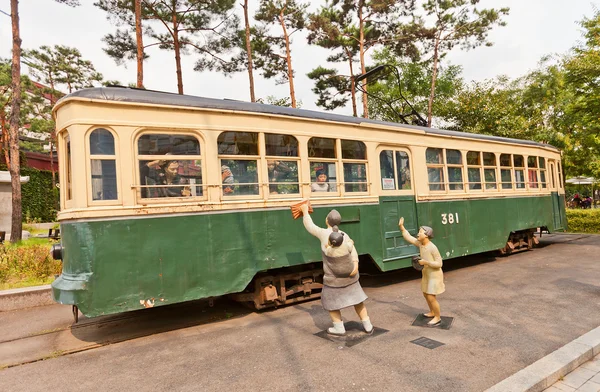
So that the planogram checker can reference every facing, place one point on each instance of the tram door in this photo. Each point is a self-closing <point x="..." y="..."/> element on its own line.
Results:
<point x="397" y="200"/>
<point x="558" y="224"/>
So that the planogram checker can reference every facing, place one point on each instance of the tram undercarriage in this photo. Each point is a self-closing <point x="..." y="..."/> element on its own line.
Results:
<point x="518" y="241"/>
<point x="274" y="289"/>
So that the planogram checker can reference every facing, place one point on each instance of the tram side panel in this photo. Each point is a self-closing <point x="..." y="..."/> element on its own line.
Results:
<point x="469" y="226"/>
<point x="114" y="266"/>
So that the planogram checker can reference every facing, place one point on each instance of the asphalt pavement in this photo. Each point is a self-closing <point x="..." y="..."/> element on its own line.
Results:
<point x="508" y="312"/>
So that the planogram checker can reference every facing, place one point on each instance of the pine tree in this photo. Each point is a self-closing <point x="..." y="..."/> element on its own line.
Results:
<point x="456" y="22"/>
<point x="332" y="29"/>
<point x="291" y="16"/>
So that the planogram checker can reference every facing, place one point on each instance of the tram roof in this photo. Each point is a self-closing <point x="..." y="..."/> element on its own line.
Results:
<point x="126" y="94"/>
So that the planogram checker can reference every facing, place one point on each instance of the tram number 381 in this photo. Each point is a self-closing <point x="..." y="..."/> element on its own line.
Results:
<point x="450" y="218"/>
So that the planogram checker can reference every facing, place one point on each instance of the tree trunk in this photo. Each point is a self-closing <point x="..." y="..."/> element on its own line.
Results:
<point x="363" y="68"/>
<point x="249" y="51"/>
<point x="5" y="137"/>
<point x="433" y="79"/>
<point x="288" y="56"/>
<point x="177" y="51"/>
<point x="15" y="115"/>
<point x="140" y="43"/>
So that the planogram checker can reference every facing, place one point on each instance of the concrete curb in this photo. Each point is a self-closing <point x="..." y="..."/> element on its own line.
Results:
<point x="27" y="297"/>
<point x="548" y="370"/>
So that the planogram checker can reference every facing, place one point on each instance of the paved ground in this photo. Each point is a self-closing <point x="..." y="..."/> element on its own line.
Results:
<point x="508" y="313"/>
<point x="586" y="378"/>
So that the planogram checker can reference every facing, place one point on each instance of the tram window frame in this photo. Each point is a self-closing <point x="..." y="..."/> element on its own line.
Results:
<point x="476" y="169"/>
<point x="543" y="172"/>
<point x="145" y="159"/>
<point x="315" y="159"/>
<point x="235" y="156"/>
<point x="436" y="167"/>
<point x="520" y="185"/>
<point x="396" y="186"/>
<point x="455" y="186"/>
<point x="353" y="157"/>
<point x="68" y="168"/>
<point x="94" y="156"/>
<point x="490" y="168"/>
<point x="533" y="170"/>
<point x="560" y="175"/>
<point x="506" y="169"/>
<point x="281" y="160"/>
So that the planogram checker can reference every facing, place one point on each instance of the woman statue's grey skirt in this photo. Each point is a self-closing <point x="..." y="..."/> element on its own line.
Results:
<point x="336" y="298"/>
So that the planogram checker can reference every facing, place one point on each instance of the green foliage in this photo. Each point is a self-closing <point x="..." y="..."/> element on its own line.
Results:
<point x="207" y="27"/>
<point x="27" y="263"/>
<point x="582" y="70"/>
<point x="61" y="66"/>
<point x="39" y="199"/>
<point x="414" y="86"/>
<point x="333" y="90"/>
<point x="285" y="101"/>
<point x="584" y="221"/>
<point x="333" y="29"/>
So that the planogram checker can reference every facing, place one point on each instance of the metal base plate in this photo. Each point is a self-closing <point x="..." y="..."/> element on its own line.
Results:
<point x="421" y="321"/>
<point x="427" y="343"/>
<point x="355" y="334"/>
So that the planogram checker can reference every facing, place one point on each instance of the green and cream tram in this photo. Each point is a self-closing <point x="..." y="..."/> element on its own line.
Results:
<point x="168" y="198"/>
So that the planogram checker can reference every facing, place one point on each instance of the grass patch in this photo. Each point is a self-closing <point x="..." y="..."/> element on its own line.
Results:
<point x="27" y="263"/>
<point x="584" y="221"/>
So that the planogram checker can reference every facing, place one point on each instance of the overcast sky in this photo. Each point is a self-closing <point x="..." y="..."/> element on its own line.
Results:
<point x="534" y="28"/>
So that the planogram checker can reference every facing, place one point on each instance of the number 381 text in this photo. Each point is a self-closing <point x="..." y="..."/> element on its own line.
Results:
<point x="450" y="218"/>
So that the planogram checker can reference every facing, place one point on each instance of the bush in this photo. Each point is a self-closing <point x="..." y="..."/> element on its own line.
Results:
<point x="39" y="199"/>
<point x="584" y="221"/>
<point x="27" y="262"/>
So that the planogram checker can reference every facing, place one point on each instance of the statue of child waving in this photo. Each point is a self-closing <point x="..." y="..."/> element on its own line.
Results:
<point x="432" y="282"/>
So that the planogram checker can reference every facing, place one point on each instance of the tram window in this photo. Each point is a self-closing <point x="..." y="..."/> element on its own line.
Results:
<point x="455" y="174"/>
<point x="352" y="149"/>
<point x="104" y="179"/>
<point x="474" y="169"/>
<point x="435" y="169"/>
<point x="519" y="165"/>
<point x="506" y="171"/>
<point x="165" y="144"/>
<point x="281" y="145"/>
<point x="170" y="165"/>
<point x="355" y="177"/>
<point x="532" y="171"/>
<point x="239" y="177"/>
<point x="69" y="179"/>
<point x="171" y="178"/>
<point x="319" y="147"/>
<point x="354" y="163"/>
<point x="323" y="176"/>
<point x="283" y="176"/>
<point x="403" y="170"/>
<point x="238" y="143"/>
<point x="489" y="170"/>
<point x="282" y="172"/>
<point x="542" y="163"/>
<point x="103" y="165"/>
<point x="394" y="179"/>
<point x="386" y="168"/>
